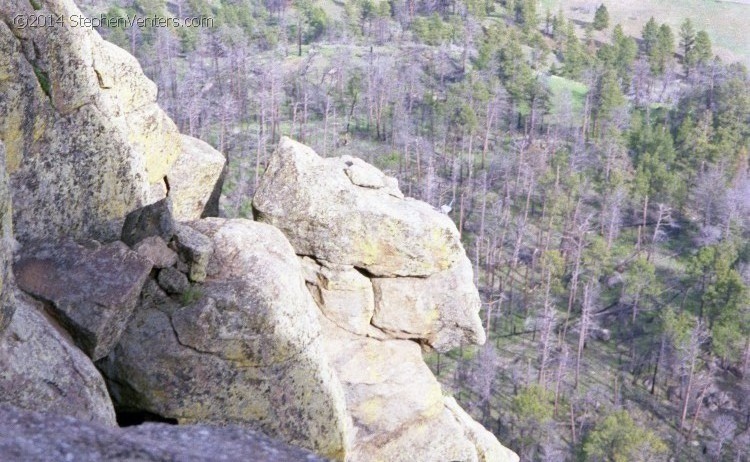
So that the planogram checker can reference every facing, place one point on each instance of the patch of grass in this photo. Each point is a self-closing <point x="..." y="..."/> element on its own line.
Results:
<point x="43" y="79"/>
<point x="567" y="92"/>
<point x="191" y="295"/>
<point x="725" y="21"/>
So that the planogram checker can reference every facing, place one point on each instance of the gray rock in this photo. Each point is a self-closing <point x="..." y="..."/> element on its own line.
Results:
<point x="247" y="350"/>
<point x="41" y="369"/>
<point x="195" y="249"/>
<point x="37" y="437"/>
<point x="7" y="244"/>
<point x="173" y="281"/>
<point x="152" y="220"/>
<point x="93" y="291"/>
<point x="155" y="250"/>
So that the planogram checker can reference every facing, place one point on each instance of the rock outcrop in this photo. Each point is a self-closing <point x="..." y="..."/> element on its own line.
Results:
<point x="358" y="219"/>
<point x="423" y="287"/>
<point x="245" y="346"/>
<point x="388" y="274"/>
<point x="40" y="437"/>
<point x="86" y="142"/>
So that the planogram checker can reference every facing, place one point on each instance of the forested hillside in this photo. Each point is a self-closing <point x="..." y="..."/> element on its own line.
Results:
<point x="600" y="183"/>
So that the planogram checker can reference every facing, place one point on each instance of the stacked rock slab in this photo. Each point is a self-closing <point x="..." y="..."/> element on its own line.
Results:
<point x="388" y="273"/>
<point x="86" y="142"/>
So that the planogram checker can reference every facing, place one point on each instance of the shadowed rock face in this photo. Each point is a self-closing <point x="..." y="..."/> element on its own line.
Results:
<point x="86" y="142"/>
<point x="36" y="437"/>
<point x="92" y="290"/>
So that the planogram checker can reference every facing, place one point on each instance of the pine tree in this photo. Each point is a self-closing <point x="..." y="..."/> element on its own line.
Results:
<point x="687" y="42"/>
<point x="601" y="18"/>
<point x="650" y="35"/>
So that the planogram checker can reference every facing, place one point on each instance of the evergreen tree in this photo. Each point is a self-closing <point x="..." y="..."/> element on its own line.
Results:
<point x="601" y="18"/>
<point x="650" y="35"/>
<point x="687" y="43"/>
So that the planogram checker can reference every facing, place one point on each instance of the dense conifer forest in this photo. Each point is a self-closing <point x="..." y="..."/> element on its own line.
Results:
<point x="599" y="181"/>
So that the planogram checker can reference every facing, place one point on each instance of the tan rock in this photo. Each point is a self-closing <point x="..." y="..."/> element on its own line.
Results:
<point x="487" y="446"/>
<point x="323" y="213"/>
<point x="398" y="407"/>
<point x="98" y="146"/>
<point x="343" y="294"/>
<point x="192" y="178"/>
<point x="442" y="309"/>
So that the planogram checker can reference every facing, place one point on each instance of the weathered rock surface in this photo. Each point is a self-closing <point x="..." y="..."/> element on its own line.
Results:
<point x="195" y="249"/>
<point x="154" y="220"/>
<point x="192" y="178"/>
<point x="173" y="281"/>
<point x="344" y="295"/>
<point x="247" y="350"/>
<point x="86" y="142"/>
<point x="7" y="301"/>
<point x="441" y="309"/>
<point x="41" y="370"/>
<point x="324" y="214"/>
<point x="155" y="250"/>
<point x="398" y="407"/>
<point x="384" y="271"/>
<point x="330" y="208"/>
<point x="38" y="437"/>
<point x="93" y="290"/>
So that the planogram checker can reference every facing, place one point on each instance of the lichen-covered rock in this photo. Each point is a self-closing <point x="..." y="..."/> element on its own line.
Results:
<point x="151" y="220"/>
<point x="86" y="142"/>
<point x="92" y="290"/>
<point x="192" y="178"/>
<point x="398" y="407"/>
<point x="343" y="294"/>
<point x="173" y="281"/>
<point x="7" y="242"/>
<point x="442" y="309"/>
<point x="155" y="250"/>
<point x="195" y="249"/>
<point x="246" y="349"/>
<point x="41" y="370"/>
<point x="41" y="437"/>
<point x="347" y="218"/>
